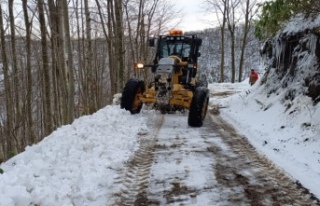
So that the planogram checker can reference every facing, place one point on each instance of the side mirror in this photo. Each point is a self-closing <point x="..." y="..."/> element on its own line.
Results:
<point x="151" y="41"/>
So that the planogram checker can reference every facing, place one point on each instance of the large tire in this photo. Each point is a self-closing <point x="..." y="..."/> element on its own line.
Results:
<point x="198" y="107"/>
<point x="130" y="96"/>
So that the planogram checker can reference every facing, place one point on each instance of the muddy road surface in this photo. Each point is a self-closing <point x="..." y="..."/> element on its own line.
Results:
<point x="208" y="166"/>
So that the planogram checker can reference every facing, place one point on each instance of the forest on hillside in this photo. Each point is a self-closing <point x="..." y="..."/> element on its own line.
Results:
<point x="63" y="59"/>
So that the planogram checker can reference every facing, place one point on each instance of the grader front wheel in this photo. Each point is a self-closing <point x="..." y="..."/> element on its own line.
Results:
<point x="198" y="107"/>
<point x="130" y="101"/>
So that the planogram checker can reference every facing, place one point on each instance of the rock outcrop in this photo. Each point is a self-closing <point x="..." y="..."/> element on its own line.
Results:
<point x="292" y="60"/>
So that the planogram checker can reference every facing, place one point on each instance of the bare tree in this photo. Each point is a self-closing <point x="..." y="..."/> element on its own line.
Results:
<point x="231" y="13"/>
<point x="66" y="63"/>
<point x="143" y="19"/>
<point x="29" y="95"/>
<point x="109" y="46"/>
<point x="222" y="29"/>
<point x="80" y="72"/>
<point x="69" y="64"/>
<point x="232" y="20"/>
<point x="91" y="81"/>
<point x="47" y="117"/>
<point x="249" y="13"/>
<point x="9" y="139"/>
<point x="40" y="65"/>
<point x="220" y="6"/>
<point x="17" y="119"/>
<point x="119" y="35"/>
<point x="55" y="68"/>
<point x="62" y="62"/>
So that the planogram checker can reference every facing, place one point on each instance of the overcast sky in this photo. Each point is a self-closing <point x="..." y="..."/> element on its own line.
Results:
<point x="194" y="15"/>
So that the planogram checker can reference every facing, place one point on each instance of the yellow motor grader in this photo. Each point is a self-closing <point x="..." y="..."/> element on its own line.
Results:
<point x="174" y="86"/>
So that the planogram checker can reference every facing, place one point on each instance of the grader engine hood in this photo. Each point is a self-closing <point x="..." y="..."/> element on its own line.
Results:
<point x="166" y="65"/>
<point x="163" y="79"/>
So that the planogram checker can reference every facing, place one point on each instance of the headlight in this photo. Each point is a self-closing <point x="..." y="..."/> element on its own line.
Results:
<point x="138" y="65"/>
<point x="194" y="66"/>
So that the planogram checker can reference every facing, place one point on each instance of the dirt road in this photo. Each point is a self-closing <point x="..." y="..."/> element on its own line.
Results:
<point x="212" y="165"/>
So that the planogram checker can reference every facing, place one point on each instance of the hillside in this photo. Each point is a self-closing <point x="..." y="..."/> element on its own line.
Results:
<point x="292" y="61"/>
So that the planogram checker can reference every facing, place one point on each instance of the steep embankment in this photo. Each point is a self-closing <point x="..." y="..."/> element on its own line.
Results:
<point x="292" y="60"/>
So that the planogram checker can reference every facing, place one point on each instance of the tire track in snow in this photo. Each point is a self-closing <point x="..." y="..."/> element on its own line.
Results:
<point x="212" y="165"/>
<point x="134" y="180"/>
<point x="182" y="173"/>
<point x="262" y="182"/>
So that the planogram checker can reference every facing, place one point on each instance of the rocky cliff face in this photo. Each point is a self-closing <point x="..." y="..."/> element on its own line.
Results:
<point x="292" y="60"/>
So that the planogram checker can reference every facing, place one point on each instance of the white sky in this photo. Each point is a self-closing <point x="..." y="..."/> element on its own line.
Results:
<point x="194" y="16"/>
<point x="79" y="163"/>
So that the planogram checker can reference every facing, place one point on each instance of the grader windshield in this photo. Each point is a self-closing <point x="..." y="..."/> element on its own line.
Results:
<point x="175" y="46"/>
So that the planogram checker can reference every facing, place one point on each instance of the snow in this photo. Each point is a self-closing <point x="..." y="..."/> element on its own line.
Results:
<point x="289" y="136"/>
<point x="73" y="165"/>
<point x="78" y="163"/>
<point x="300" y="23"/>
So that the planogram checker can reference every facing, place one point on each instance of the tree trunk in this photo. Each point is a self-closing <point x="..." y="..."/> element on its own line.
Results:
<point x="231" y="20"/>
<point x="57" y="115"/>
<point x="118" y="28"/>
<point x="91" y="82"/>
<point x="66" y="64"/>
<point x="247" y="24"/>
<point x="70" y="76"/>
<point x="47" y="116"/>
<point x="62" y="64"/>
<point x="130" y="34"/>
<point x="221" y="6"/>
<point x="107" y="36"/>
<point x="9" y="139"/>
<point x="17" y="123"/>
<point x="29" y="119"/>
<point x="80" y="72"/>
<point x="222" y="43"/>
<point x="111" y="53"/>
<point x="233" y="67"/>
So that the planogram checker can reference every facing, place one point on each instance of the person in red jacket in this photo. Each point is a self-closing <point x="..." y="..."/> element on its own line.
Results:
<point x="253" y="77"/>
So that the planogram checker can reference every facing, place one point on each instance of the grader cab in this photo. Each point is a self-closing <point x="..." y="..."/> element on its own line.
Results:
<point x="174" y="86"/>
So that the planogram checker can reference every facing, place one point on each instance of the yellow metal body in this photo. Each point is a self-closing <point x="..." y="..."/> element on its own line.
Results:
<point x="179" y="96"/>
